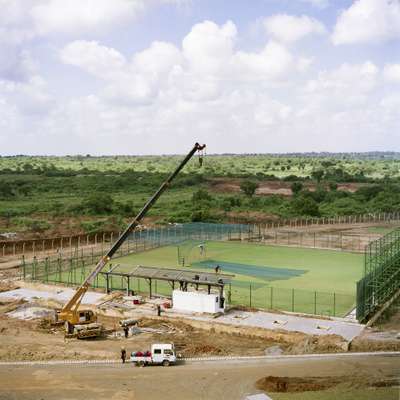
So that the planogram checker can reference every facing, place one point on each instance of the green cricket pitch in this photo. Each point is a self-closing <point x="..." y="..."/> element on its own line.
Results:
<point x="302" y="279"/>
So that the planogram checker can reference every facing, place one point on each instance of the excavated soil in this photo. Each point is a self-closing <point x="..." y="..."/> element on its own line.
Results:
<point x="295" y="384"/>
<point x="39" y="339"/>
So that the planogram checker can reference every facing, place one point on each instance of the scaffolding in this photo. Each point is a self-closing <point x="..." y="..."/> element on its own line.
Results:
<point x="381" y="275"/>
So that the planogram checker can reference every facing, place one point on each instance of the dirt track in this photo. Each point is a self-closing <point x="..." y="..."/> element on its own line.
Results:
<point x="197" y="381"/>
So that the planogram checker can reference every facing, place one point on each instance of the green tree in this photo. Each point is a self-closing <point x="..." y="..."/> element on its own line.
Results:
<point x="296" y="187"/>
<point x="305" y="206"/>
<point x="99" y="203"/>
<point x="201" y="195"/>
<point x="317" y="175"/>
<point x="248" y="187"/>
<point x="333" y="186"/>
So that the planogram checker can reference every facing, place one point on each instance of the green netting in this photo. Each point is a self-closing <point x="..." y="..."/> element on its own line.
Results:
<point x="381" y="276"/>
<point x="192" y="251"/>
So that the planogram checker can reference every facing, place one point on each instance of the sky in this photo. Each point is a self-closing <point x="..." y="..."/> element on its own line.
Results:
<point x="107" y="77"/>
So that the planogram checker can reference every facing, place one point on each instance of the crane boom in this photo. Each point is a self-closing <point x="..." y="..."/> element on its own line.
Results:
<point x="76" y="299"/>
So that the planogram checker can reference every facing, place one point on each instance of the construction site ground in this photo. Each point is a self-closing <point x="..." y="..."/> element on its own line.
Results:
<point x="331" y="378"/>
<point x="27" y="333"/>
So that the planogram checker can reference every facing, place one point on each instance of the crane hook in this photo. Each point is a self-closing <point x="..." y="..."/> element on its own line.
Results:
<point x="201" y="153"/>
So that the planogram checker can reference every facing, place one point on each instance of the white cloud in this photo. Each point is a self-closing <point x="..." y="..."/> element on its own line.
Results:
<point x="77" y="16"/>
<point x="304" y="63"/>
<point x="349" y="85"/>
<point x="207" y="64"/>
<point x="161" y="99"/>
<point x="101" y="61"/>
<point x="391" y="72"/>
<point x="367" y="21"/>
<point x="271" y="63"/>
<point x="289" y="28"/>
<point x="209" y="47"/>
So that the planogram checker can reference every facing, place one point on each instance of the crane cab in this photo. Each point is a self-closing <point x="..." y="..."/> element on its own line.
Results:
<point x="79" y="317"/>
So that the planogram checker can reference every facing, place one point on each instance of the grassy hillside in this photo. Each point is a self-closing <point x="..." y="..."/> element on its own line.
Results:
<point x="88" y="194"/>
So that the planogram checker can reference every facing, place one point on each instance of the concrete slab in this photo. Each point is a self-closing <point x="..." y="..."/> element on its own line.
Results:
<point x="310" y="326"/>
<point x="62" y="295"/>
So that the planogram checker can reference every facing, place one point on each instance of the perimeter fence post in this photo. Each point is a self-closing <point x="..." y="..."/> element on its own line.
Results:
<point x="272" y="298"/>
<point x="46" y="268"/>
<point x="23" y="266"/>
<point x="315" y="303"/>
<point x="250" y="293"/>
<point x="334" y="304"/>
<point x="293" y="300"/>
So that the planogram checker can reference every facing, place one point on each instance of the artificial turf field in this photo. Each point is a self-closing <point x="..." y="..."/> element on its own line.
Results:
<point x="293" y="279"/>
<point x="302" y="279"/>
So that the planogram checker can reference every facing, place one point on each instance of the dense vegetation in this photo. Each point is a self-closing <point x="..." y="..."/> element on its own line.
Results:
<point x="96" y="193"/>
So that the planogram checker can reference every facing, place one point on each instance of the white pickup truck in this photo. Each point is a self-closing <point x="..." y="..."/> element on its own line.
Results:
<point x="161" y="353"/>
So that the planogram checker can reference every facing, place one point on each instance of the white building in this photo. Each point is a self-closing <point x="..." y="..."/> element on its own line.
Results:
<point x="197" y="301"/>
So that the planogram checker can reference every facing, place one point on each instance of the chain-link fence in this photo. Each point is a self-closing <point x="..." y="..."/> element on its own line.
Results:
<point x="381" y="276"/>
<point x="72" y="271"/>
<point x="47" y="246"/>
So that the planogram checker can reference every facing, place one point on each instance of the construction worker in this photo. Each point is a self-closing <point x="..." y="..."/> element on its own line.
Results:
<point x="123" y="355"/>
<point x="201" y="247"/>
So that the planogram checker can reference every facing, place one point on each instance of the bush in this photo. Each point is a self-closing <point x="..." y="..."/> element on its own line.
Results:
<point x="333" y="186"/>
<point x="125" y="209"/>
<point x="317" y="175"/>
<point x="92" y="227"/>
<point x="305" y="206"/>
<point x="6" y="190"/>
<point x="32" y="224"/>
<point x="98" y="203"/>
<point x="200" y="215"/>
<point x="201" y="195"/>
<point x="248" y="188"/>
<point x="296" y="187"/>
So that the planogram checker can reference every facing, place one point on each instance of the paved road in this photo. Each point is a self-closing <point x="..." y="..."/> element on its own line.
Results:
<point x="209" y="380"/>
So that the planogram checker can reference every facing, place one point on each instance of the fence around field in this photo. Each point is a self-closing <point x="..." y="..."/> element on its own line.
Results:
<point x="47" y="246"/>
<point x="72" y="271"/>
<point x="381" y="276"/>
<point x="319" y="240"/>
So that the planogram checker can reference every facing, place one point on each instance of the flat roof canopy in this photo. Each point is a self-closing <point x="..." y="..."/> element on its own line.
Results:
<point x="173" y="275"/>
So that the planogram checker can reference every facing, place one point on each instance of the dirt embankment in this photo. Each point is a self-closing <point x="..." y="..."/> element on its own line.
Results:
<point x="295" y="384"/>
<point x="266" y="188"/>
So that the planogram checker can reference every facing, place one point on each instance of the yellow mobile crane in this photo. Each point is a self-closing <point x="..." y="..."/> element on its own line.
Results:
<point x="82" y="323"/>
